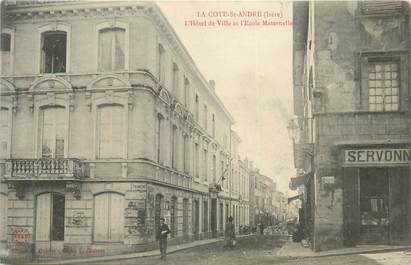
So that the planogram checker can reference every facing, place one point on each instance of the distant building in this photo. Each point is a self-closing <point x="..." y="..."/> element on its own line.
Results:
<point x="106" y="126"/>
<point x="352" y="134"/>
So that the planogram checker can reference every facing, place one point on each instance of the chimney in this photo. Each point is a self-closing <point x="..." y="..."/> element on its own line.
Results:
<point x="212" y="84"/>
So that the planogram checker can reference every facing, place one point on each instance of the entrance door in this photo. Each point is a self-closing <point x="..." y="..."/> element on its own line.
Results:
<point x="214" y="217"/>
<point x="157" y="212"/>
<point x="50" y="224"/>
<point x="374" y="206"/>
<point x="196" y="219"/>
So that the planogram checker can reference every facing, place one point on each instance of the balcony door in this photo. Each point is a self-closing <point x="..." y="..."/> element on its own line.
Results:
<point x="53" y="132"/>
<point x="49" y="224"/>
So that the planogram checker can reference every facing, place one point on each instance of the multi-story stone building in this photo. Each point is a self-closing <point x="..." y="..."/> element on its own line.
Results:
<point x="261" y="199"/>
<point x="106" y="125"/>
<point x="353" y="134"/>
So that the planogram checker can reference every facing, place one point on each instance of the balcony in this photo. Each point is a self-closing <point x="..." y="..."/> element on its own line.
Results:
<point x="44" y="169"/>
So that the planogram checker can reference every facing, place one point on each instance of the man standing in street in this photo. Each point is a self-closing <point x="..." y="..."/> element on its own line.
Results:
<point x="163" y="232"/>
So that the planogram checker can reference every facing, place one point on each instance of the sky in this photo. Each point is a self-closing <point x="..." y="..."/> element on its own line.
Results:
<point x="251" y="64"/>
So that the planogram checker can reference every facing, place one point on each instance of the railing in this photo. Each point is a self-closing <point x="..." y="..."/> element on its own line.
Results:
<point x="49" y="168"/>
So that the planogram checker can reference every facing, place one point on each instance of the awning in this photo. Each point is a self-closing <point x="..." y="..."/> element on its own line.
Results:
<point x="297" y="197"/>
<point x="300" y="180"/>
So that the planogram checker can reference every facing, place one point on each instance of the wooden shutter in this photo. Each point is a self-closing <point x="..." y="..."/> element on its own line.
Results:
<point x="43" y="213"/>
<point x="116" y="217"/>
<point x="351" y="206"/>
<point x="101" y="226"/>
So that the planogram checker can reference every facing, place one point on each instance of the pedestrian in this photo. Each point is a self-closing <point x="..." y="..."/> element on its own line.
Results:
<point x="230" y="233"/>
<point x="162" y="234"/>
<point x="261" y="228"/>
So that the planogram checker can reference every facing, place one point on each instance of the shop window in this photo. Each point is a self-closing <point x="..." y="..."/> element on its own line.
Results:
<point x="110" y="131"/>
<point x="53" y="132"/>
<point x="109" y="217"/>
<point x="383" y="86"/>
<point x="54" y="51"/>
<point x="111" y="49"/>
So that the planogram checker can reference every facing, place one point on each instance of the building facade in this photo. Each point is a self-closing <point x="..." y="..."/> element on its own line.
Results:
<point x="106" y="126"/>
<point x="261" y="199"/>
<point x="352" y="140"/>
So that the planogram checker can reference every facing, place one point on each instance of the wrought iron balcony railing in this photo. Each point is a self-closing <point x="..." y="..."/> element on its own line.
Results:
<point x="45" y="168"/>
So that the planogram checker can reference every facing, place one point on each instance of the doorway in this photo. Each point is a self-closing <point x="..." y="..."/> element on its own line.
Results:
<point x="214" y="218"/>
<point x="374" y="206"/>
<point x="50" y="209"/>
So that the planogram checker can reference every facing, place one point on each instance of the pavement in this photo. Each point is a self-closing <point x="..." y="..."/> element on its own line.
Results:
<point x="297" y="250"/>
<point x="290" y="250"/>
<point x="152" y="253"/>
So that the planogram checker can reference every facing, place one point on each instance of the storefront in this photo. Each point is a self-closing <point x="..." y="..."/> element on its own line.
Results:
<point x="377" y="195"/>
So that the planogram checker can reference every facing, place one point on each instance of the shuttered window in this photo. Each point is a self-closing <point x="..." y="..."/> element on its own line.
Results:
<point x="111" y="132"/>
<point x="380" y="7"/>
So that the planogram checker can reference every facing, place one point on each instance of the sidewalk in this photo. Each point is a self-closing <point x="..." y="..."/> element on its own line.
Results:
<point x="152" y="253"/>
<point x="296" y="250"/>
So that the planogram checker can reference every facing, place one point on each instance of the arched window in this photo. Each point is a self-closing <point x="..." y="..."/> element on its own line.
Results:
<point x="110" y="131"/>
<point x="53" y="132"/>
<point x="111" y="49"/>
<point x="109" y="217"/>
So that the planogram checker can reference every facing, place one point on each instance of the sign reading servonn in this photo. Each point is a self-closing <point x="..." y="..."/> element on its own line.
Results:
<point x="377" y="156"/>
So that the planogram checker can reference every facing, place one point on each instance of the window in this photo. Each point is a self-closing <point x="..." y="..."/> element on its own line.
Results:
<point x="53" y="132"/>
<point x="205" y="117"/>
<point x="186" y="154"/>
<point x="5" y="42"/>
<point x="109" y="217"/>
<point x="222" y="171"/>
<point x="5" y="53"/>
<point x="160" y="144"/>
<point x="161" y="63"/>
<point x="380" y="7"/>
<point x="185" y="216"/>
<point x="383" y="86"/>
<point x="214" y="169"/>
<point x="213" y="125"/>
<point x="4" y="133"/>
<point x="111" y="49"/>
<point x="175" y="80"/>
<point x="197" y="111"/>
<point x="110" y="120"/>
<point x="174" y="145"/>
<point x="54" y="51"/>
<point x="186" y="93"/>
<point x="205" y="217"/>
<point x="196" y="160"/>
<point x="205" y="162"/>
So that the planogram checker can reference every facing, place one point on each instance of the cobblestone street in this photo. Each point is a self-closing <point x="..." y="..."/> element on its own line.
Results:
<point x="261" y="250"/>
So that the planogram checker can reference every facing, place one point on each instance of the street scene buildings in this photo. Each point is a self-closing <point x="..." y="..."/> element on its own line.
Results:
<point x="108" y="126"/>
<point x="352" y="127"/>
<point x="96" y="146"/>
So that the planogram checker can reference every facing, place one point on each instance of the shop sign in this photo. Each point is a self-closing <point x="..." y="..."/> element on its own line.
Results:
<point x="377" y="156"/>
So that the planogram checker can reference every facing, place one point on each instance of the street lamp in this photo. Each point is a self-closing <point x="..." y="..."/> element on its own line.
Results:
<point x="293" y="128"/>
